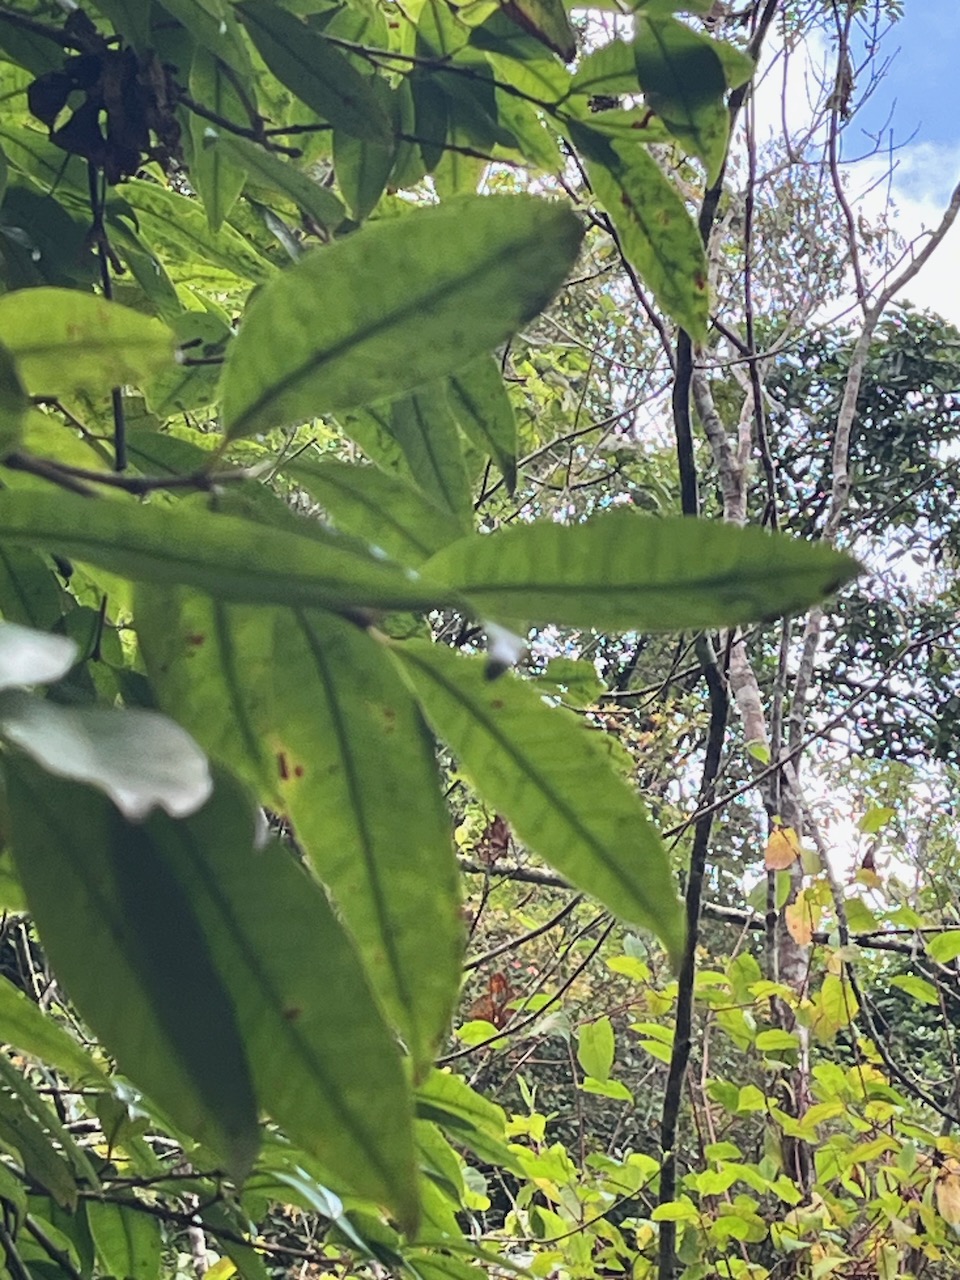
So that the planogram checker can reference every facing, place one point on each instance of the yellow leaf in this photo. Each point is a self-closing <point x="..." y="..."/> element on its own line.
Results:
<point x="948" y="1199"/>
<point x="783" y="849"/>
<point x="801" y="918"/>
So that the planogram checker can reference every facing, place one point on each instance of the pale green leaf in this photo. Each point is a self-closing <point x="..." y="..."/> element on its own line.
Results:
<point x="425" y="429"/>
<point x="621" y="570"/>
<point x="943" y="948"/>
<point x="538" y="767"/>
<point x="595" y="1048"/>
<point x="64" y="341"/>
<point x="397" y="304"/>
<point x="230" y="558"/>
<point x="382" y="509"/>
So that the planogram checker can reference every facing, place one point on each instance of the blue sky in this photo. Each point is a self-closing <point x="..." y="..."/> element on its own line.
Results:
<point x="924" y="77"/>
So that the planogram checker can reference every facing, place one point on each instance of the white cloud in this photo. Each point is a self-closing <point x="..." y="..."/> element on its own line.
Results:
<point x="914" y="197"/>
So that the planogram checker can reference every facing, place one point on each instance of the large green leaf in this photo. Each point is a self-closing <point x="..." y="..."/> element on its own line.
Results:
<point x="684" y="82"/>
<point x="64" y="341"/>
<point x="621" y="571"/>
<point x="214" y="27"/>
<point x="397" y="304"/>
<point x="125" y="940"/>
<point x="481" y="405"/>
<point x="381" y="508"/>
<point x="316" y="71"/>
<point x="128" y="1241"/>
<point x="658" y="234"/>
<point x="266" y="169"/>
<point x="214" y="172"/>
<point x="211" y="666"/>
<point x="546" y="21"/>
<point x="230" y="558"/>
<point x="426" y="430"/>
<point x="540" y="768"/>
<point x="360" y="784"/>
<point x="179" y="225"/>
<point x="25" y="1027"/>
<point x="29" y="592"/>
<point x="324" y="1064"/>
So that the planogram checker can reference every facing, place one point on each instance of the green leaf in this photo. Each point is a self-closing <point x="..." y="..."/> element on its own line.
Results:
<point x="921" y="990"/>
<point x="27" y="1029"/>
<point x="359" y="781"/>
<point x="595" y="1048"/>
<point x="128" y="1241"/>
<point x="683" y="81"/>
<point x="659" y="236"/>
<point x="214" y="28"/>
<point x="775" y="1040"/>
<point x="944" y="947"/>
<point x="382" y="509"/>
<point x="41" y="1160"/>
<point x="106" y="901"/>
<point x="546" y="21"/>
<point x="184" y="387"/>
<point x="211" y="666"/>
<point x="140" y="759"/>
<point x="481" y="405"/>
<point x="179" y="225"/>
<point x="32" y="657"/>
<point x="316" y="71"/>
<point x="425" y="429"/>
<point x="215" y="174"/>
<point x="397" y="304"/>
<point x="266" y="169"/>
<point x="621" y="570"/>
<point x="324" y="1064"/>
<point x="29" y="593"/>
<point x="64" y="341"/>
<point x="14" y="401"/>
<point x="228" y="557"/>
<point x="538" y="767"/>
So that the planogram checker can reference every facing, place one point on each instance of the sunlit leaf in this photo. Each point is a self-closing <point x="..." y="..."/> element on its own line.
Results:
<point x="595" y="1048"/>
<point x="622" y="570"/>
<point x="128" y="1242"/>
<point x="397" y="304"/>
<point x="25" y="1027"/>
<point x="356" y="772"/>
<point x="63" y="341"/>
<point x="266" y="169"/>
<point x="658" y="235"/>
<point x="228" y="557"/>
<point x="216" y="175"/>
<point x="782" y="850"/>
<point x="539" y="768"/>
<point x="381" y="508"/>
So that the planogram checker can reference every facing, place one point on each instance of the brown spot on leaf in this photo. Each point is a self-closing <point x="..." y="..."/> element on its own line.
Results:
<point x="298" y="770"/>
<point x="292" y="1014"/>
<point x="195" y="639"/>
<point x="282" y="769"/>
